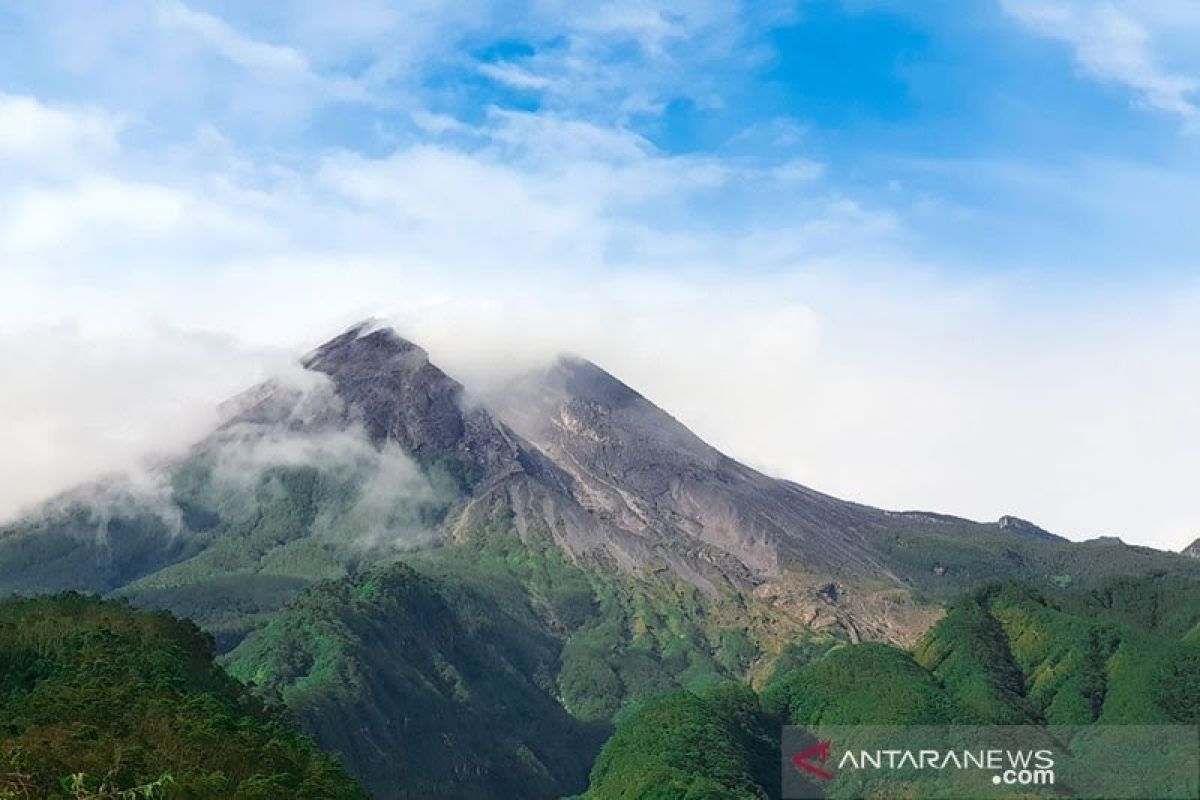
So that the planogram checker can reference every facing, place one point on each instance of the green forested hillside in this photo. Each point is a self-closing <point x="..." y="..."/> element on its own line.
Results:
<point x="496" y="668"/>
<point x="427" y="690"/>
<point x="714" y="743"/>
<point x="518" y="660"/>
<point x="97" y="701"/>
<point x="942" y="557"/>
<point x="224" y="547"/>
<point x="1006" y="654"/>
<point x="1121" y="653"/>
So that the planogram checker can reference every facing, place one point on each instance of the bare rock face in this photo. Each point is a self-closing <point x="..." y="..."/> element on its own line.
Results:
<point x="389" y="386"/>
<point x="889" y="615"/>
<point x="1192" y="550"/>
<point x="633" y="464"/>
<point x="575" y="455"/>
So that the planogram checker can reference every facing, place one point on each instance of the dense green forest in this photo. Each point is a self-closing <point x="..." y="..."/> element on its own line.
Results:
<point x="98" y="702"/>
<point x="518" y="659"/>
<point x="498" y="669"/>
<point x="1122" y="653"/>
<point x="712" y="743"/>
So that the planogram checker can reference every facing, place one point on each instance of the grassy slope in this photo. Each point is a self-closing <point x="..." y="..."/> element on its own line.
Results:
<point x="96" y="699"/>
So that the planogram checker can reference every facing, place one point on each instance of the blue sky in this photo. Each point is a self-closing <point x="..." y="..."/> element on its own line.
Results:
<point x="969" y="120"/>
<point x="948" y="248"/>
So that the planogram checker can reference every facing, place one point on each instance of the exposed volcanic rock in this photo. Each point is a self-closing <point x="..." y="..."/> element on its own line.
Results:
<point x="389" y="385"/>
<point x="574" y="454"/>
<point x="1027" y="528"/>
<point x="635" y="465"/>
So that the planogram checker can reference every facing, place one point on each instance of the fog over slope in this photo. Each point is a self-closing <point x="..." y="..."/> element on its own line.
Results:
<point x="809" y="393"/>
<point x="374" y="449"/>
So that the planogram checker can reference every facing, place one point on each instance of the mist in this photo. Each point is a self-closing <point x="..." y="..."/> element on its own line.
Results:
<point x="916" y="396"/>
<point x="381" y="496"/>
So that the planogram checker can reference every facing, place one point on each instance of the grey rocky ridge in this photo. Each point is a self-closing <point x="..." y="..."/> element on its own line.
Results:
<point x="616" y="483"/>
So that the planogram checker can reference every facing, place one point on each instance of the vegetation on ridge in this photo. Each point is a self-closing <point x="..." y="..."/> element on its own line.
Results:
<point x="1004" y="654"/>
<point x="99" y="701"/>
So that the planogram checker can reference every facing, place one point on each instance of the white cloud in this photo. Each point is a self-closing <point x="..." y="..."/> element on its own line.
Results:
<point x="48" y="136"/>
<point x="79" y="405"/>
<point x="229" y="43"/>
<point x="1119" y="42"/>
<point x="513" y="75"/>
<point x="390" y="490"/>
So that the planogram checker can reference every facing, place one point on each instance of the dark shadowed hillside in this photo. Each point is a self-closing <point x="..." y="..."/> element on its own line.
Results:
<point x="97" y="701"/>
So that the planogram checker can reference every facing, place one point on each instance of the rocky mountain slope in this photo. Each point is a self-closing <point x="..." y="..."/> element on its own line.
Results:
<point x="377" y="450"/>
<point x="634" y="465"/>
<point x="368" y="543"/>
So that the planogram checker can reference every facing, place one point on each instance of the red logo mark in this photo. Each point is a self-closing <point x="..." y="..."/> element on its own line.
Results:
<point x="804" y="760"/>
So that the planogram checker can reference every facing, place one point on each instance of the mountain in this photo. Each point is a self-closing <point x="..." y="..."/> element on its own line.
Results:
<point x="463" y="598"/>
<point x="97" y="701"/>
<point x="1192" y="550"/>
<point x="833" y="563"/>
<point x="633" y="464"/>
<point x="377" y="450"/>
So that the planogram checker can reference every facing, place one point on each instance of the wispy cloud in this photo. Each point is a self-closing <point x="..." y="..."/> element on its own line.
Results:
<point x="261" y="59"/>
<point x="1115" y="41"/>
<point x="240" y="49"/>
<point x="513" y="75"/>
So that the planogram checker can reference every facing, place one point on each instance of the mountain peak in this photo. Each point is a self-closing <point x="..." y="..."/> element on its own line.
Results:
<point x="1192" y="550"/>
<point x="370" y="342"/>
<point x="580" y="379"/>
<point x="389" y="384"/>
